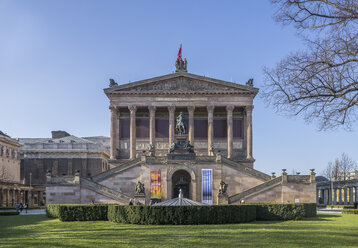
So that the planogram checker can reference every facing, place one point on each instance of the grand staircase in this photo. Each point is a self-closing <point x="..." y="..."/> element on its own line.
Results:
<point x="255" y="190"/>
<point x="103" y="190"/>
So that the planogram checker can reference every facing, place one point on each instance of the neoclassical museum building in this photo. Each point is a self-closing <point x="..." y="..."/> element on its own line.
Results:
<point x="185" y="132"/>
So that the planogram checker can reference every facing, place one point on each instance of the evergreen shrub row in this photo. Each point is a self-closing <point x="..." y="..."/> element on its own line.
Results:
<point x="9" y="213"/>
<point x="287" y="211"/>
<point x="349" y="211"/>
<point x="77" y="212"/>
<point x="184" y="215"/>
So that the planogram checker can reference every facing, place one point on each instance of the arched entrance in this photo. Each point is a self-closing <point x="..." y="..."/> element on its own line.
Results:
<point x="181" y="180"/>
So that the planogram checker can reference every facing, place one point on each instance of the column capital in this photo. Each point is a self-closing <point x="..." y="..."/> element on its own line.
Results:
<point x="210" y="108"/>
<point x="132" y="108"/>
<point x="249" y="108"/>
<point x="230" y="108"/>
<point x="191" y="108"/>
<point x="113" y="107"/>
<point x="171" y="108"/>
<point x="152" y="109"/>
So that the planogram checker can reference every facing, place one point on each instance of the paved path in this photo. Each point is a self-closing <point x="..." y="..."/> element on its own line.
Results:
<point x="329" y="211"/>
<point x="29" y="211"/>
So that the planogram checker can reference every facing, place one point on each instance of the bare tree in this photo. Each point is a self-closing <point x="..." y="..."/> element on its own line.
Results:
<point x="340" y="169"/>
<point x="321" y="82"/>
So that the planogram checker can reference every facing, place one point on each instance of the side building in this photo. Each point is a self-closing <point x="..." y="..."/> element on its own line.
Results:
<point x="12" y="191"/>
<point x="61" y="155"/>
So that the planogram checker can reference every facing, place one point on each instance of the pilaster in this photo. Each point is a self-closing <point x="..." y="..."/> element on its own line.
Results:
<point x="249" y="132"/>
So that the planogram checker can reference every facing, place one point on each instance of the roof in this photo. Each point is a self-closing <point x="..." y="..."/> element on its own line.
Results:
<point x="181" y="83"/>
<point x="180" y="201"/>
<point x="67" y="139"/>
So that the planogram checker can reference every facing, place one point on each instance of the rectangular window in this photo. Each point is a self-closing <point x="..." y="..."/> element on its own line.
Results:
<point x="124" y="124"/>
<point x="200" y="128"/>
<point x="142" y="128"/>
<point x="162" y="128"/>
<point x="207" y="186"/>
<point x="238" y="128"/>
<point x="220" y="128"/>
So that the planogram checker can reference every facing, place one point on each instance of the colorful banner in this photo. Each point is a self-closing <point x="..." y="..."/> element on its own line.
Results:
<point x="207" y="186"/>
<point x="155" y="185"/>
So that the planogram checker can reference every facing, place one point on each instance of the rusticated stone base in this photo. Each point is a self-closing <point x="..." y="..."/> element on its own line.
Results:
<point x="139" y="199"/>
<point x="223" y="199"/>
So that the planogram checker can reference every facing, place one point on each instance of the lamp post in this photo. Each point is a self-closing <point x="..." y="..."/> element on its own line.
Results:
<point x="30" y="191"/>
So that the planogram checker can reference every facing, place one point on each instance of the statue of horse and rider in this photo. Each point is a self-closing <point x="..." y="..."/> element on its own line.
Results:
<point x="180" y="126"/>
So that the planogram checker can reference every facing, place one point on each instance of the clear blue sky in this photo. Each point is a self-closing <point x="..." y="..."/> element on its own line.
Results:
<point x="57" y="56"/>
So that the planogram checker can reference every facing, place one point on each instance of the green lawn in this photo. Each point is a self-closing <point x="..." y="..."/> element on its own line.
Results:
<point x="326" y="230"/>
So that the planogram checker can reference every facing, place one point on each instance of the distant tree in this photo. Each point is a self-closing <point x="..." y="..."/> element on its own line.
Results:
<point x="321" y="82"/>
<point x="340" y="169"/>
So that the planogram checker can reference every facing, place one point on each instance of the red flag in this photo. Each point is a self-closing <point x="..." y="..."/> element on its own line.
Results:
<point x="179" y="54"/>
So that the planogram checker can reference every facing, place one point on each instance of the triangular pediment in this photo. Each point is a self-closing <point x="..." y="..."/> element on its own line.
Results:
<point x="181" y="83"/>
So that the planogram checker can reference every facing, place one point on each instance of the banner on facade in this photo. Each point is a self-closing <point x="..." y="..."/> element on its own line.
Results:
<point x="155" y="185"/>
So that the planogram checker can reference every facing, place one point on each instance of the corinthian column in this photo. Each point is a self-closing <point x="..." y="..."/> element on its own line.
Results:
<point x="152" y="124"/>
<point x="171" y="124"/>
<point x="249" y="131"/>
<point x="132" y="132"/>
<point x="113" y="131"/>
<point x="210" y="129"/>
<point x="230" y="135"/>
<point x="191" y="124"/>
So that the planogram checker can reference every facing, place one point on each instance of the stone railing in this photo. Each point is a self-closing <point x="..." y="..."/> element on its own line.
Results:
<point x="298" y="178"/>
<point x="203" y="159"/>
<point x="103" y="190"/>
<point x="245" y="169"/>
<point x="67" y="180"/>
<point x="256" y="189"/>
<point x="109" y="173"/>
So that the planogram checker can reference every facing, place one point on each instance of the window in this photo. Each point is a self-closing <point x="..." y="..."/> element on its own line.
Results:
<point x="200" y="128"/>
<point x="162" y="128"/>
<point x="206" y="186"/>
<point x="124" y="127"/>
<point x="220" y="128"/>
<point x="142" y="128"/>
<point x="238" y="128"/>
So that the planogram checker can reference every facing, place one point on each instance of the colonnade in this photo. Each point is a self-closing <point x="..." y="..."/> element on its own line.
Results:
<point x="115" y="128"/>
<point x="341" y="195"/>
<point x="11" y="196"/>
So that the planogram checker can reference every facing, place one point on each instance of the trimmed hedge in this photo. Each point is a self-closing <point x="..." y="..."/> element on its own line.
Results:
<point x="349" y="211"/>
<point x="77" y="212"/>
<point x="285" y="211"/>
<point x="9" y="213"/>
<point x="340" y="206"/>
<point x="184" y="215"/>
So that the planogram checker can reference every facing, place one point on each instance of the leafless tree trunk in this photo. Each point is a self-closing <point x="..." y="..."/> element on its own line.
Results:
<point x="321" y="82"/>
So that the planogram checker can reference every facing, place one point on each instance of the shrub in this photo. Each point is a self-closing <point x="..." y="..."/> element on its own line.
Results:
<point x="82" y="212"/>
<point x="183" y="215"/>
<point x="340" y="206"/>
<point x="285" y="211"/>
<point x="9" y="213"/>
<point x="349" y="211"/>
<point x="53" y="210"/>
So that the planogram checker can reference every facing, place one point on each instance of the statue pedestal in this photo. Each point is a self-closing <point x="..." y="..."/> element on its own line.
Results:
<point x="139" y="199"/>
<point x="223" y="199"/>
<point x="180" y="151"/>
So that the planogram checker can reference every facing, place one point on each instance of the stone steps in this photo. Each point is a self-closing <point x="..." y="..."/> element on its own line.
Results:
<point x="103" y="190"/>
<point x="255" y="190"/>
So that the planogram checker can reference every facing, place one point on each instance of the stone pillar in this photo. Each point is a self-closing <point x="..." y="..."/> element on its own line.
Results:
<point x="132" y="132"/>
<point x="249" y="132"/>
<point x="13" y="197"/>
<point x="7" y="197"/>
<point x="84" y="167"/>
<point x="1" y="197"/>
<point x="230" y="132"/>
<point x="23" y="197"/>
<point x="152" y="110"/>
<point x="70" y="166"/>
<point x="334" y="196"/>
<point x="317" y="195"/>
<point x="345" y="195"/>
<point x="340" y="196"/>
<point x="356" y="200"/>
<point x="191" y="110"/>
<point x="171" y="110"/>
<point x="329" y="196"/>
<point x="114" y="118"/>
<point x="351" y="195"/>
<point x="210" y="129"/>
<point x="18" y="196"/>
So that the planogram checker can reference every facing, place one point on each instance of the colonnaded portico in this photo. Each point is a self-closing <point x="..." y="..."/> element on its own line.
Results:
<point x="216" y="119"/>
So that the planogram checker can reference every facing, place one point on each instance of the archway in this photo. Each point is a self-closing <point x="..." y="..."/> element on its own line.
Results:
<point x="181" y="180"/>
